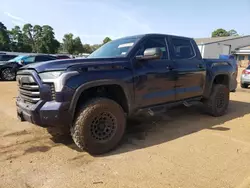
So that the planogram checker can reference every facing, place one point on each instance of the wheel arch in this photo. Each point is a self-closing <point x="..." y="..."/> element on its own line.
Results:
<point x="101" y="83"/>
<point x="220" y="78"/>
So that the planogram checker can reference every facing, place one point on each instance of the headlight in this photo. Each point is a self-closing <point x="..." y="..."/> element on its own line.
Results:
<point x="58" y="78"/>
<point x="50" y="75"/>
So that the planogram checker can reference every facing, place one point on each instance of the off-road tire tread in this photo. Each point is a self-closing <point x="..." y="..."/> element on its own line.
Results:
<point x="2" y="78"/>
<point x="208" y="104"/>
<point x="77" y="130"/>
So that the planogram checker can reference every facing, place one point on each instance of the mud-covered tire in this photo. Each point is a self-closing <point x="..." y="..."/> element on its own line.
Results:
<point x="244" y="85"/>
<point x="99" y="126"/>
<point x="217" y="104"/>
<point x="7" y="74"/>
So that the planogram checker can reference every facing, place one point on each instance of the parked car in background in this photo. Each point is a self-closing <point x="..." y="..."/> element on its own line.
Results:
<point x="9" y="68"/>
<point x="245" y="77"/>
<point x="62" y="56"/>
<point x="6" y="57"/>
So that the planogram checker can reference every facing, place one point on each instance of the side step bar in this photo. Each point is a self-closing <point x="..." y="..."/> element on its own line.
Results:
<point x="164" y="107"/>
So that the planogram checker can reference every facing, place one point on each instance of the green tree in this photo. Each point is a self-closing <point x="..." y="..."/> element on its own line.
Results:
<point x="87" y="48"/>
<point x="95" y="47"/>
<point x="106" y="40"/>
<point x="17" y="41"/>
<point x="4" y="38"/>
<point x="61" y="48"/>
<point x="223" y="33"/>
<point x="72" y="45"/>
<point x="28" y="36"/>
<point x="232" y="32"/>
<point x="50" y="44"/>
<point x="38" y="39"/>
<point x="78" y="47"/>
<point x="220" y="33"/>
<point x="68" y="43"/>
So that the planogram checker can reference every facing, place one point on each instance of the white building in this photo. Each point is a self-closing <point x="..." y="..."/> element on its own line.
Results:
<point x="214" y="47"/>
<point x="243" y="55"/>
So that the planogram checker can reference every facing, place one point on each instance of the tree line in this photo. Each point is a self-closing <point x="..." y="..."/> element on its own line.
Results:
<point x="41" y="39"/>
<point x="224" y="33"/>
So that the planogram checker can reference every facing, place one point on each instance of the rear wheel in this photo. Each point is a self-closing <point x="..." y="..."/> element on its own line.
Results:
<point x="8" y="75"/>
<point x="244" y="85"/>
<point x="99" y="126"/>
<point x="217" y="103"/>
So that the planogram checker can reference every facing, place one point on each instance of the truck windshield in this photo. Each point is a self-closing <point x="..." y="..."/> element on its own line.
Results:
<point x="116" y="48"/>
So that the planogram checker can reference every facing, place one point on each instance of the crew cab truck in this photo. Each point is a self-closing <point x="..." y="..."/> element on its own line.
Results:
<point x="93" y="96"/>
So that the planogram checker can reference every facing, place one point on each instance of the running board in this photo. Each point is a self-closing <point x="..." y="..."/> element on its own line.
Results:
<point x="153" y="110"/>
<point x="191" y="103"/>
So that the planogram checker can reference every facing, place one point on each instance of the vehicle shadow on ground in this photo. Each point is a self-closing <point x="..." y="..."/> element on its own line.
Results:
<point x="145" y="131"/>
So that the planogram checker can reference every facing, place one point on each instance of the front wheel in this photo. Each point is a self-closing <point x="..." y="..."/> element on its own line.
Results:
<point x="217" y="104"/>
<point x="99" y="126"/>
<point x="7" y="74"/>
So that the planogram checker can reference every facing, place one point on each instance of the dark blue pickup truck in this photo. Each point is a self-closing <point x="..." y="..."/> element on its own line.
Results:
<point x="94" y="96"/>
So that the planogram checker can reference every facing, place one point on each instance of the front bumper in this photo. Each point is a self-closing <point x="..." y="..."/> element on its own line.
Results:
<point x="43" y="110"/>
<point x="46" y="114"/>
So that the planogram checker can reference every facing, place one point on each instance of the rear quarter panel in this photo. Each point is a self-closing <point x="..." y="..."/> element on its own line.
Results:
<point x="217" y="67"/>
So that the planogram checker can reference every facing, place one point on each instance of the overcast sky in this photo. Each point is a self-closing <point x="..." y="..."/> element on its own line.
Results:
<point x="93" y="20"/>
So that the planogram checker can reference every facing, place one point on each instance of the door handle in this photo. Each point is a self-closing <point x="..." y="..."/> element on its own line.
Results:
<point x="169" y="67"/>
<point x="200" y="66"/>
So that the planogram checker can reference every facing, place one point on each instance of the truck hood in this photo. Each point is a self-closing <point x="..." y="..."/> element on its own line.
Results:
<point x="60" y="65"/>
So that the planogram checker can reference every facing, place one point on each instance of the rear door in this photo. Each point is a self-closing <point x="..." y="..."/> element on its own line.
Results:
<point x="190" y="68"/>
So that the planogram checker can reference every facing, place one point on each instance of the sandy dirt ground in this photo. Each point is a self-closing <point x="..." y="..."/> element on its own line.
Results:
<point x="182" y="148"/>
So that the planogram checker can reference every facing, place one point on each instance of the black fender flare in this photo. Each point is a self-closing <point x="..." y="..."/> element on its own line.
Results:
<point x="127" y="91"/>
<point x="209" y="86"/>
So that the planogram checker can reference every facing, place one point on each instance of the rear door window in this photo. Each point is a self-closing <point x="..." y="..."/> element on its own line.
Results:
<point x="183" y="48"/>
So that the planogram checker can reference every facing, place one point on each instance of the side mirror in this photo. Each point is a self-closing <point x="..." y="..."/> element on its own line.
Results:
<point x="20" y="62"/>
<point x="150" y="53"/>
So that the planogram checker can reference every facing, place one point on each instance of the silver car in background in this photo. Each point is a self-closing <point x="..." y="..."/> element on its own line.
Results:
<point x="245" y="77"/>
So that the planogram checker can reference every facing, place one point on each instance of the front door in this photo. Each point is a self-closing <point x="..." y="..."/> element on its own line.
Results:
<point x="190" y="68"/>
<point x="154" y="79"/>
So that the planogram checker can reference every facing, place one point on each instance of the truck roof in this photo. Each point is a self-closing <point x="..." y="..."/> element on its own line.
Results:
<point x="154" y="34"/>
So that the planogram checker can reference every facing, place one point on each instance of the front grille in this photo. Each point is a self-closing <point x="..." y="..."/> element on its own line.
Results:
<point x="28" y="89"/>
